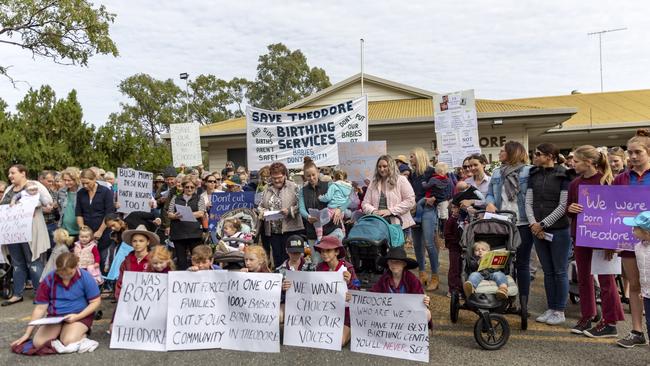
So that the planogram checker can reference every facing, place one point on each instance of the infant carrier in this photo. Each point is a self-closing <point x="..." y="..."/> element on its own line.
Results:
<point x="250" y="225"/>
<point x="367" y="241"/>
<point x="491" y="330"/>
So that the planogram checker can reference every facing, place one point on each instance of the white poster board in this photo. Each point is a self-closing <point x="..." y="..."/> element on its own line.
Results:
<point x="288" y="136"/>
<point x="358" y="159"/>
<point x="134" y="189"/>
<point x="391" y="325"/>
<point x="314" y="310"/>
<point x="186" y="144"/>
<point x="253" y="316"/>
<point x="16" y="221"/>
<point x="141" y="315"/>
<point x="456" y="126"/>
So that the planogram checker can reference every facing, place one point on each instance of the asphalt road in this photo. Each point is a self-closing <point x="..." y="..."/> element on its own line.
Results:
<point x="451" y="344"/>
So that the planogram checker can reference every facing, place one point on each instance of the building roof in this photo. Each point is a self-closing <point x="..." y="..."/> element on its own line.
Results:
<point x="596" y="110"/>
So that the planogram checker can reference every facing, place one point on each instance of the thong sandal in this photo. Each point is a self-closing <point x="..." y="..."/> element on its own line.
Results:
<point x="7" y="302"/>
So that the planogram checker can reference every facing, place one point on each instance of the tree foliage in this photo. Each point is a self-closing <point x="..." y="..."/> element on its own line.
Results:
<point x="65" y="31"/>
<point x="213" y="99"/>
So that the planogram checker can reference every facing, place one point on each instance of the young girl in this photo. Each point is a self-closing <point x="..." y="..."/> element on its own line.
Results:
<point x="119" y="249"/>
<point x="255" y="260"/>
<point x="337" y="196"/>
<point x="86" y="250"/>
<point x="160" y="260"/>
<point x="63" y="241"/>
<point x="641" y="224"/>
<point x="475" y="278"/>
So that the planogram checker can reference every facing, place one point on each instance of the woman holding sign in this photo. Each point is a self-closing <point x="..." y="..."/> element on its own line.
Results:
<point x="185" y="231"/>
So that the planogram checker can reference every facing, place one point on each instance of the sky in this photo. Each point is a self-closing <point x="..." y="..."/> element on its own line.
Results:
<point x="502" y="49"/>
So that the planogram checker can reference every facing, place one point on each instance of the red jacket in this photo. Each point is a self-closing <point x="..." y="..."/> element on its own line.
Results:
<point x="130" y="264"/>
<point x="409" y="281"/>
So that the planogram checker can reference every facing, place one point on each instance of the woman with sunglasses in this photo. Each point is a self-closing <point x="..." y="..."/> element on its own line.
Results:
<point x="474" y="165"/>
<point x="211" y="184"/>
<point x="186" y="234"/>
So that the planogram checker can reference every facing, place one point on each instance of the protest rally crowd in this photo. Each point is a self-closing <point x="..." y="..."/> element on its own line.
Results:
<point x="82" y="245"/>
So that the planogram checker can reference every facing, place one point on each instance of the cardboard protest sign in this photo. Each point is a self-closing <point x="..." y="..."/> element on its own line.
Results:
<point x="253" y="313"/>
<point x="141" y="315"/>
<point x="288" y="136"/>
<point x="134" y="190"/>
<point x="456" y="126"/>
<point x="16" y="221"/>
<point x="358" y="159"/>
<point x="227" y="201"/>
<point x="600" y="225"/>
<point x="314" y="310"/>
<point x="392" y="325"/>
<point x="186" y="144"/>
<point x="197" y="310"/>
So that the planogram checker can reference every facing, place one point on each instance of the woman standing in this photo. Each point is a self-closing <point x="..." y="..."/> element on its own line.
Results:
<point x="185" y="234"/>
<point x="546" y="200"/>
<point x="94" y="202"/>
<point x="507" y="191"/>
<point x="638" y="174"/>
<point x="593" y="169"/>
<point x="26" y="257"/>
<point x="281" y="195"/>
<point x="478" y="178"/>
<point x="423" y="234"/>
<point x="67" y="199"/>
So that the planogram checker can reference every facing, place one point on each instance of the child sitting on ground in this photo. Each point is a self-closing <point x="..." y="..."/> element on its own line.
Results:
<point x="641" y="224"/>
<point x="232" y="229"/>
<point x="160" y="260"/>
<point x="436" y="187"/>
<point x="475" y="278"/>
<point x="63" y="241"/>
<point x="202" y="259"/>
<point x="86" y="250"/>
<point x="337" y="196"/>
<point x="295" y="247"/>
<point x="255" y="260"/>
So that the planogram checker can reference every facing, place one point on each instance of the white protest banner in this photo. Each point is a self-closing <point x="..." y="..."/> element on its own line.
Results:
<point x="16" y="221"/>
<point x="392" y="325"/>
<point x="196" y="312"/>
<point x="186" y="144"/>
<point x="253" y="312"/>
<point x="141" y="316"/>
<point x="358" y="159"/>
<point x="288" y="137"/>
<point x="314" y="310"/>
<point x="134" y="189"/>
<point x="456" y="126"/>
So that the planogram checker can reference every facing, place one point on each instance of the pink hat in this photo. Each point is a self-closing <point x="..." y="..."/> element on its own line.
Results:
<point x="331" y="242"/>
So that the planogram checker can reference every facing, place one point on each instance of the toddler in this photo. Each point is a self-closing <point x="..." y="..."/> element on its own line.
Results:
<point x="232" y="229"/>
<point x="86" y="250"/>
<point x="641" y="224"/>
<point x="337" y="196"/>
<point x="202" y="259"/>
<point x="475" y="278"/>
<point x="63" y="241"/>
<point x="436" y="186"/>
<point x="160" y="260"/>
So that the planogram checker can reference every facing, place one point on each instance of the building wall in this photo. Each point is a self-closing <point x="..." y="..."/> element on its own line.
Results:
<point x="218" y="151"/>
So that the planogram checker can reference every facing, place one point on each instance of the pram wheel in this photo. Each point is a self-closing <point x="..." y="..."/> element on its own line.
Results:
<point x="454" y="306"/>
<point x="493" y="335"/>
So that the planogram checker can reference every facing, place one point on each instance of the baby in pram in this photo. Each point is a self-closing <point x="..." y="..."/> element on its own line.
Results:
<point x="480" y="248"/>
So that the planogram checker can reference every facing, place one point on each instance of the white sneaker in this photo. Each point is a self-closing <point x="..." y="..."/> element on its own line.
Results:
<point x="87" y="345"/>
<point x="60" y="348"/>
<point x="544" y="317"/>
<point x="556" y="318"/>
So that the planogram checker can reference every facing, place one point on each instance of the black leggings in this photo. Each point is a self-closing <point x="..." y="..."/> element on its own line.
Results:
<point x="182" y="246"/>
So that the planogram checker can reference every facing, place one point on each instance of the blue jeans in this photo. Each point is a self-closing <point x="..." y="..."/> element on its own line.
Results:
<point x="522" y="263"/>
<point x="475" y="278"/>
<point x="554" y="257"/>
<point x="50" y="231"/>
<point x="21" y="260"/>
<point x="423" y="238"/>
<point x="419" y="210"/>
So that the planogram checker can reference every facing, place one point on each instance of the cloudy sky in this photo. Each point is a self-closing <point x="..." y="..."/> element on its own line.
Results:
<point x="502" y="49"/>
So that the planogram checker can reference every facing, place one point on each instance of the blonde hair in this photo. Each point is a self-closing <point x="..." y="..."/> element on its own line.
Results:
<point x="88" y="174"/>
<point x="393" y="173"/>
<point x="596" y="158"/>
<point x="642" y="137"/>
<point x="442" y="168"/>
<point x="86" y="229"/>
<point x="62" y="237"/>
<point x="481" y="244"/>
<point x="73" y="173"/>
<point x="421" y="160"/>
<point x="234" y="222"/>
<point x="260" y="253"/>
<point x="340" y="175"/>
<point x="161" y="253"/>
<point x="201" y="253"/>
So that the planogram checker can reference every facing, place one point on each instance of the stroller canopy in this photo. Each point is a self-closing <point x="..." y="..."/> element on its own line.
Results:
<point x="377" y="229"/>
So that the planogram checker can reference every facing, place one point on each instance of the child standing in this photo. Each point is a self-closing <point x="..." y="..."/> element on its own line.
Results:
<point x="337" y="196"/>
<point x="437" y="186"/>
<point x="202" y="259"/>
<point x="641" y="224"/>
<point x="452" y="234"/>
<point x="160" y="260"/>
<point x="475" y="278"/>
<point x="63" y="241"/>
<point x="86" y="250"/>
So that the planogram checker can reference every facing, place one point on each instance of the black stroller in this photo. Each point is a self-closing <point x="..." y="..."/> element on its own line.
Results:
<point x="491" y="330"/>
<point x="6" y="281"/>
<point x="367" y="241"/>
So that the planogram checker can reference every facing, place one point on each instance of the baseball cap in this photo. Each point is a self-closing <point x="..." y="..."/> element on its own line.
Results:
<point x="295" y="244"/>
<point x="641" y="220"/>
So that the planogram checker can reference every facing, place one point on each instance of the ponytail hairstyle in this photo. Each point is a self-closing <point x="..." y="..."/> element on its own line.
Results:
<point x="308" y="164"/>
<point x="598" y="159"/>
<point x="115" y="217"/>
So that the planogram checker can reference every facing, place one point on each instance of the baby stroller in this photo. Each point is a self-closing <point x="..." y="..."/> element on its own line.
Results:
<point x="491" y="330"/>
<point x="367" y="241"/>
<point x="250" y="225"/>
<point x="6" y="281"/>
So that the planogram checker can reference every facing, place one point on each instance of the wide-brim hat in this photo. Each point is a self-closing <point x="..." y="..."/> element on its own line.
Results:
<point x="398" y="254"/>
<point x="331" y="242"/>
<point x="641" y="220"/>
<point x="142" y="230"/>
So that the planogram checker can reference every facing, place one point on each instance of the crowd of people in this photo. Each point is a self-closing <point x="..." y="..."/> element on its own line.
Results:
<point x="81" y="246"/>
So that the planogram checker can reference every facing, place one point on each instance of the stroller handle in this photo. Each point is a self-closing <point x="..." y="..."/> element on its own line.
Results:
<point x="511" y="214"/>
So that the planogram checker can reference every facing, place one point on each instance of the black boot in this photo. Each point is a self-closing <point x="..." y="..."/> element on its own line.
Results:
<point x="523" y="310"/>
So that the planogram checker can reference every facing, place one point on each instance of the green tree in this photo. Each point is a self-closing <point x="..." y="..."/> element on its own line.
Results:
<point x="213" y="99"/>
<point x="65" y="31"/>
<point x="283" y="77"/>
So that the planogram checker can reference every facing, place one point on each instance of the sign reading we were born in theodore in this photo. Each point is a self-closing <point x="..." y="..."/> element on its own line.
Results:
<point x="186" y="144"/>
<point x="288" y="136"/>
<point x="133" y="190"/>
<point x="600" y="225"/>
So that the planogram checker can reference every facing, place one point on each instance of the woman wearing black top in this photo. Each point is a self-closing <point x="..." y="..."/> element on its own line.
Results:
<point x="186" y="234"/>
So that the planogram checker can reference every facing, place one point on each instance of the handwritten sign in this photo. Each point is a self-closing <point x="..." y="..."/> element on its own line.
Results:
<point x="358" y="159"/>
<point x="253" y="316"/>
<point x="227" y="201"/>
<point x="186" y="144"/>
<point x="601" y="223"/>
<point x="197" y="310"/>
<point x="134" y="189"/>
<point x="314" y="310"/>
<point x="141" y="314"/>
<point x="16" y="222"/>
<point x="456" y="126"/>
<point x="392" y="325"/>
